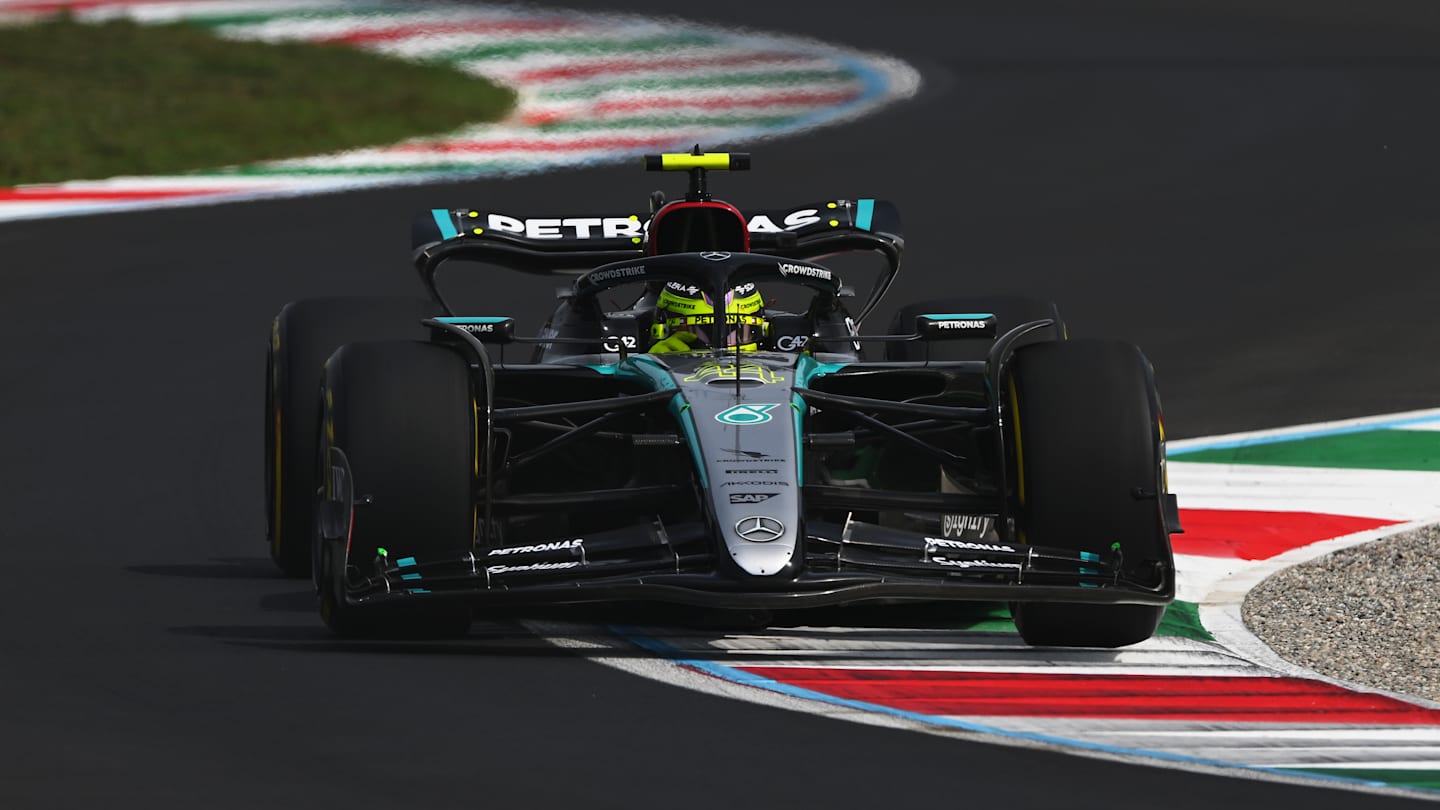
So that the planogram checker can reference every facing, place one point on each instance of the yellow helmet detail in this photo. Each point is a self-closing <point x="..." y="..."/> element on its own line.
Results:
<point x="686" y="308"/>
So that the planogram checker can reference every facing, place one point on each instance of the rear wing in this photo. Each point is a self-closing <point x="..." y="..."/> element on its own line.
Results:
<point x="574" y="244"/>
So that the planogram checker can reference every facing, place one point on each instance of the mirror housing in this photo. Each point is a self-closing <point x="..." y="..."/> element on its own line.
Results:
<point x="488" y="330"/>
<point x="955" y="326"/>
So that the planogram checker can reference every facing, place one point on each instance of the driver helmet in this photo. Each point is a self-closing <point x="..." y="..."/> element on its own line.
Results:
<point x="685" y="307"/>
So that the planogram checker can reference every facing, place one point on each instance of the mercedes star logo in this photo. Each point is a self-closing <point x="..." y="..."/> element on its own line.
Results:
<point x="715" y="255"/>
<point x="759" y="529"/>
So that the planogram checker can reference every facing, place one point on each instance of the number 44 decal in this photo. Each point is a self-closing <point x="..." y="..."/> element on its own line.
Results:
<point x="751" y="414"/>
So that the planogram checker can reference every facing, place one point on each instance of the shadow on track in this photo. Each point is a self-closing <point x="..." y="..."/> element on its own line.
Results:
<point x="217" y="568"/>
<point x="507" y="632"/>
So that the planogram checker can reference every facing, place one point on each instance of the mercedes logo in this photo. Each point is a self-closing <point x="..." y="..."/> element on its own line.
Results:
<point x="759" y="529"/>
<point x="715" y="255"/>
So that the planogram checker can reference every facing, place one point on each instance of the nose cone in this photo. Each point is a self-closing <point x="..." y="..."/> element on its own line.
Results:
<point x="746" y="422"/>
<point x="761" y="545"/>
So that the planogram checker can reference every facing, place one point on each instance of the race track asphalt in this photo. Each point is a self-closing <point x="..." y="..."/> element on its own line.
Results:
<point x="1247" y="190"/>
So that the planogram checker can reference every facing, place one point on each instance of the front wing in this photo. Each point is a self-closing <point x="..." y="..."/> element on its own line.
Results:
<point x="843" y="564"/>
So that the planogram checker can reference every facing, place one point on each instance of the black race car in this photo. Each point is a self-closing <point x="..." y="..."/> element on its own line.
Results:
<point x="673" y="434"/>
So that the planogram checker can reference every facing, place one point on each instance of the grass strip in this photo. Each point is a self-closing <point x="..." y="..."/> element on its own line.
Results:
<point x="90" y="101"/>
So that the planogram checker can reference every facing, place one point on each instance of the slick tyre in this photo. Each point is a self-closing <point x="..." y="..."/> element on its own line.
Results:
<point x="302" y="335"/>
<point x="1009" y="310"/>
<point x="403" y="413"/>
<point x="1085" y="423"/>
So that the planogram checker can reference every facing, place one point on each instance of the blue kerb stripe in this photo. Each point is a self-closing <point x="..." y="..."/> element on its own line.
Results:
<point x="873" y="85"/>
<point x="405" y="562"/>
<point x="410" y="576"/>
<point x="1301" y="435"/>
<point x="444" y="223"/>
<point x="733" y="675"/>
<point x="864" y="211"/>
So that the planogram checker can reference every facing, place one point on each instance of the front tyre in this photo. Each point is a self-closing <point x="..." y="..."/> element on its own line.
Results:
<point x="1086" y="433"/>
<point x="302" y="335"/>
<point x="403" y="414"/>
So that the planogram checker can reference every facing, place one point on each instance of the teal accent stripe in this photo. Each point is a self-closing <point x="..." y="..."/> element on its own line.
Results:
<point x="681" y="409"/>
<point x="471" y="319"/>
<point x="864" y="212"/>
<point x="405" y="562"/>
<point x="797" y="404"/>
<point x="658" y="376"/>
<point x="410" y="576"/>
<point x="806" y="369"/>
<point x="1089" y="557"/>
<point x="958" y="316"/>
<point x="444" y="223"/>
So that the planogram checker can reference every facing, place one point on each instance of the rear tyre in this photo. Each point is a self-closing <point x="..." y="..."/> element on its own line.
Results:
<point x="1009" y="310"/>
<point x="403" y="413"/>
<point x="1087" y="466"/>
<point x="301" y="337"/>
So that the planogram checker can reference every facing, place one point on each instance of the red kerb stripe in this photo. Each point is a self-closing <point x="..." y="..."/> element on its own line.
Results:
<point x="391" y="33"/>
<point x="589" y="69"/>
<point x="1254" y="535"/>
<point x="445" y="147"/>
<point x="718" y="103"/>
<point x="73" y="195"/>
<point x="52" y="6"/>
<point x="1154" y="697"/>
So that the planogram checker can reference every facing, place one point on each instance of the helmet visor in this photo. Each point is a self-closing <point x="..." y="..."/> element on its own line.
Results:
<point x="733" y="330"/>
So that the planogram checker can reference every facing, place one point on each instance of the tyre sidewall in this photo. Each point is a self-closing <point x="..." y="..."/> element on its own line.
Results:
<point x="404" y="414"/>
<point x="1086" y="463"/>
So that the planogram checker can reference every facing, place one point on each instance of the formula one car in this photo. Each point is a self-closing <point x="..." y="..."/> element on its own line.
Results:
<point x="695" y="443"/>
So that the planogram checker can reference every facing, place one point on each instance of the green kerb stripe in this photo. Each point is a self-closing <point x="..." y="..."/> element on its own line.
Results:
<point x="358" y="171"/>
<point x="299" y="15"/>
<point x="670" y="121"/>
<point x="981" y="617"/>
<point x="1183" y="619"/>
<point x="1398" y="777"/>
<point x="574" y="45"/>
<point x="1368" y="450"/>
